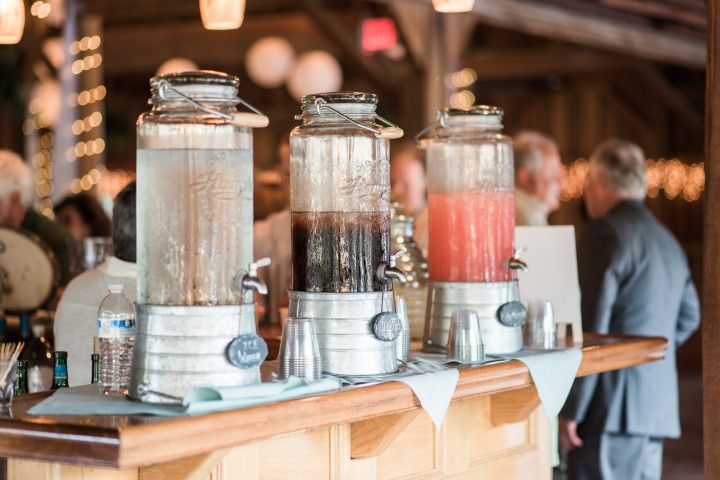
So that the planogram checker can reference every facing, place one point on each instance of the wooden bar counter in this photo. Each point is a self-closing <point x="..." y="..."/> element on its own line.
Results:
<point x="495" y="428"/>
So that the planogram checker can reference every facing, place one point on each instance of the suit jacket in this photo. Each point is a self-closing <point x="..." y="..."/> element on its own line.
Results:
<point x="635" y="280"/>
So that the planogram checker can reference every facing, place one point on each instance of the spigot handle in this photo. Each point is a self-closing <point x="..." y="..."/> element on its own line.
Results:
<point x="260" y="263"/>
<point x="250" y="281"/>
<point x="394" y="257"/>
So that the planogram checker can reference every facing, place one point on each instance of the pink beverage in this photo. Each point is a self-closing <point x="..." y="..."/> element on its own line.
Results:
<point x="471" y="236"/>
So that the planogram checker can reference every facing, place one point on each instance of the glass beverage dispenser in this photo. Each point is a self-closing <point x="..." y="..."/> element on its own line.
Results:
<point x="194" y="237"/>
<point x="471" y="218"/>
<point x="340" y="228"/>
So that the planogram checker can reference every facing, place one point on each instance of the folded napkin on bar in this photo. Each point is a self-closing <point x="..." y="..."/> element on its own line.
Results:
<point x="87" y="399"/>
<point x="552" y="371"/>
<point x="431" y="382"/>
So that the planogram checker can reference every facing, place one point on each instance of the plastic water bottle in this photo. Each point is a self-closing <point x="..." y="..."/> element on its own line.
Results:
<point x="116" y="332"/>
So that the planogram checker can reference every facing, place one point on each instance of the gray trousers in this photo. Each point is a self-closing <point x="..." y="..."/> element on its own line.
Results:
<point x="615" y="456"/>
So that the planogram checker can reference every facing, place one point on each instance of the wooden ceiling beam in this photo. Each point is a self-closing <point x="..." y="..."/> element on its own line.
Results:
<point x="137" y="50"/>
<point x="547" y="20"/>
<point x="496" y="64"/>
<point x="331" y="26"/>
<point x="660" y="88"/>
<point x="662" y="10"/>
<point x="159" y="11"/>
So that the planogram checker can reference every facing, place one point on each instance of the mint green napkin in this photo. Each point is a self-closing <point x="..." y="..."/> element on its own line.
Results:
<point x="552" y="371"/>
<point x="87" y="399"/>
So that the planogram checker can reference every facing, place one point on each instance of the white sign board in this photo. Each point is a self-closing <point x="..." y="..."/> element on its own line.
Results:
<point x="552" y="269"/>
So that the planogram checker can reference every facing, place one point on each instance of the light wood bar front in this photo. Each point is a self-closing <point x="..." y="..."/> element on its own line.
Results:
<point x="495" y="428"/>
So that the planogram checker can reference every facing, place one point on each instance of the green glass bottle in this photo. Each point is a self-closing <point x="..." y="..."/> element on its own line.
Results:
<point x="60" y="371"/>
<point x="95" y="376"/>
<point x="21" y="382"/>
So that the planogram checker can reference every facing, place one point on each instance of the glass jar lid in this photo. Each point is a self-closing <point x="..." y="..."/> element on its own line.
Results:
<point x="334" y="104"/>
<point x="357" y="108"/>
<point x="340" y="97"/>
<point x="484" y="116"/>
<point x="474" y="110"/>
<point x="205" y="86"/>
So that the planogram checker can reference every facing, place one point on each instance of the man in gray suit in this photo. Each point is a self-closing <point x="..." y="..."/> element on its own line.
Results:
<point x="635" y="280"/>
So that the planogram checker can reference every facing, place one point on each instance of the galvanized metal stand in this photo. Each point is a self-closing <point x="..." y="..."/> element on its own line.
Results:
<point x="486" y="299"/>
<point x="344" y="327"/>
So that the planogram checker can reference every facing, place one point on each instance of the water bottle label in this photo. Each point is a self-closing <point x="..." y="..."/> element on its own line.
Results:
<point x="60" y="372"/>
<point x="115" y="327"/>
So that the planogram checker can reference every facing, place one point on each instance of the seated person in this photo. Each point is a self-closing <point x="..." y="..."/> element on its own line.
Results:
<point x="83" y="215"/>
<point x="76" y="316"/>
<point x="17" y="191"/>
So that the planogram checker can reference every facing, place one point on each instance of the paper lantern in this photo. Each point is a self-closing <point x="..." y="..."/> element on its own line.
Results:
<point x="12" y="20"/>
<point x="450" y="6"/>
<point x="269" y="61"/>
<point x="315" y="71"/>
<point x="222" y="14"/>
<point x="176" y="64"/>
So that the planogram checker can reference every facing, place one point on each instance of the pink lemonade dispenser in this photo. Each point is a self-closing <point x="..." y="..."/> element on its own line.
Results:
<point x="471" y="216"/>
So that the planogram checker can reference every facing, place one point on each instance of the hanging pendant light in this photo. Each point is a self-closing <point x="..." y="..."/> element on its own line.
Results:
<point x="12" y="20"/>
<point x="222" y="14"/>
<point x="450" y="6"/>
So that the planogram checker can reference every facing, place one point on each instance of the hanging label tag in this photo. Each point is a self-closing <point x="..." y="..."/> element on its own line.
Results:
<point x="387" y="326"/>
<point x="247" y="351"/>
<point x="512" y="314"/>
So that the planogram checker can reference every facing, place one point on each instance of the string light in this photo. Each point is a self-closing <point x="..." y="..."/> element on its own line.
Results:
<point x="40" y="9"/>
<point x="462" y="99"/>
<point x="108" y="182"/>
<point x="453" y="6"/>
<point x="85" y="44"/>
<point x="673" y="177"/>
<point x="87" y="97"/>
<point x="222" y="14"/>
<point x="462" y="78"/>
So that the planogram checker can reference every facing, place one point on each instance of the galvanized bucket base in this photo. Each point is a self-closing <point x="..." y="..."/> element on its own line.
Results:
<point x="344" y="329"/>
<point x="485" y="298"/>
<point x="178" y="348"/>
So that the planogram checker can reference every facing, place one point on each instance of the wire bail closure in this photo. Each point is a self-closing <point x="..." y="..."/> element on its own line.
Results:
<point x="390" y="132"/>
<point x="256" y="119"/>
<point x="440" y="121"/>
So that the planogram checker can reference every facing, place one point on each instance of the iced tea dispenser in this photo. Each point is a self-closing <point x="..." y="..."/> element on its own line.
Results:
<point x="342" y="268"/>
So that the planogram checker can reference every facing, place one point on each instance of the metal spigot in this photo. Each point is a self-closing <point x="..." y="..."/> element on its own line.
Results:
<point x="515" y="262"/>
<point x="388" y="272"/>
<point x="251" y="281"/>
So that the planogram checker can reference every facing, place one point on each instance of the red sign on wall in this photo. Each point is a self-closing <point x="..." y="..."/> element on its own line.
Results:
<point x="378" y="34"/>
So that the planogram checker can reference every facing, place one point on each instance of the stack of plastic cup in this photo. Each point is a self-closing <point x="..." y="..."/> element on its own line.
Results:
<point x="299" y="353"/>
<point x="402" y="342"/>
<point x="464" y="341"/>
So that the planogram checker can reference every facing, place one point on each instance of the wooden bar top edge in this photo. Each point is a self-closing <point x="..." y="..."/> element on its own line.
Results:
<point x="46" y="438"/>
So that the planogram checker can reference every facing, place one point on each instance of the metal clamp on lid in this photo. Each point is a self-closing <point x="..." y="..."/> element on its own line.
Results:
<point x="390" y="132"/>
<point x="256" y="119"/>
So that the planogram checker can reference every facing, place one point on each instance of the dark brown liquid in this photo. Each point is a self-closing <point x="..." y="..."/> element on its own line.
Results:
<point x="338" y="251"/>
